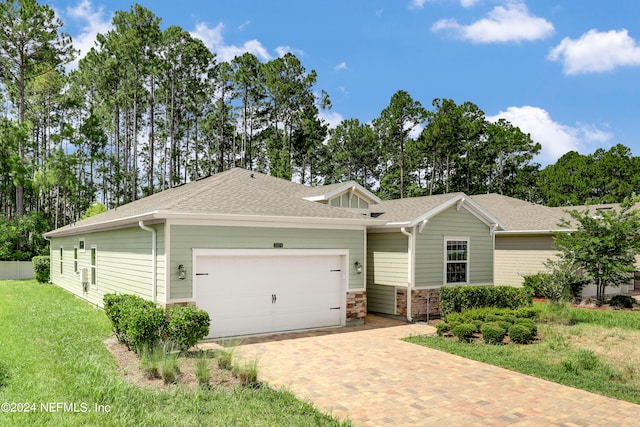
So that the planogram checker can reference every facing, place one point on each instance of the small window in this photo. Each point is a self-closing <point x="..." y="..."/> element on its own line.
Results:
<point x="61" y="260"/>
<point x="75" y="259"/>
<point x="81" y="245"/>
<point x="457" y="260"/>
<point x="94" y="267"/>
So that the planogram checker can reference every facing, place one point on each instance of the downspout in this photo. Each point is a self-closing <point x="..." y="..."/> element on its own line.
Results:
<point x="410" y="267"/>
<point x="154" y="267"/>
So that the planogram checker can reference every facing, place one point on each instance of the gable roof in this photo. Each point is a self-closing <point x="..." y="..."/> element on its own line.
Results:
<point x="237" y="194"/>
<point x="519" y="216"/>
<point x="414" y="210"/>
<point x="326" y="192"/>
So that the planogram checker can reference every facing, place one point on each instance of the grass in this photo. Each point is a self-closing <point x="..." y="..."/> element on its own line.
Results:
<point x="594" y="350"/>
<point x="52" y="354"/>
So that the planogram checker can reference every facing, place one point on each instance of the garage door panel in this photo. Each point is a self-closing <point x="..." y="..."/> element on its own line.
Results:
<point x="268" y="293"/>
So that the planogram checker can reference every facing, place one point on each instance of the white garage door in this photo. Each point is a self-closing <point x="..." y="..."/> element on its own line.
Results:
<point x="265" y="292"/>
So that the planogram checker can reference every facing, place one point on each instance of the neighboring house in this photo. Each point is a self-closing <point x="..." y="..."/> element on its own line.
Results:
<point x="526" y="241"/>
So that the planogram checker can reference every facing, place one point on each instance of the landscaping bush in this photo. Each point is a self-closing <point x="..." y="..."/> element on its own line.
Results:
<point x="520" y="334"/>
<point x="186" y="326"/>
<point x="533" y="283"/>
<point x="493" y="333"/>
<point x="137" y="322"/>
<point x="622" y="301"/>
<point x="526" y="312"/>
<point x="114" y="305"/>
<point x="142" y="324"/>
<point x="443" y="328"/>
<point x="457" y="299"/>
<point x="529" y="324"/>
<point x="41" y="268"/>
<point x="464" y="331"/>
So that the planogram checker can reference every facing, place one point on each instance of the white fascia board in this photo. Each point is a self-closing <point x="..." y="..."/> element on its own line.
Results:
<point x="272" y="219"/>
<point x="102" y="226"/>
<point x="349" y="185"/>
<point x="533" y="232"/>
<point x="466" y="202"/>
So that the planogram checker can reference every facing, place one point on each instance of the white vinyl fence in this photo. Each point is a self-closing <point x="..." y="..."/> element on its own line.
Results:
<point x="15" y="270"/>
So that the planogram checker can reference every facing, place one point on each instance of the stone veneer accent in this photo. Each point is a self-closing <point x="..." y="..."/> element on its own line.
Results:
<point x="419" y="299"/>
<point x="174" y="304"/>
<point x="356" y="307"/>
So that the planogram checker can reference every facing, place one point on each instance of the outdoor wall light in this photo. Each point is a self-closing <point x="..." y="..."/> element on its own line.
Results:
<point x="358" y="266"/>
<point x="182" y="273"/>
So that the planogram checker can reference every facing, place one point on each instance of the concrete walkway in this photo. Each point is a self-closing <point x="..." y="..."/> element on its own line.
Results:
<point x="367" y="374"/>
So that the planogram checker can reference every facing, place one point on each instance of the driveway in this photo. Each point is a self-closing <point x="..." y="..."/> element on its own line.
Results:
<point x="367" y="374"/>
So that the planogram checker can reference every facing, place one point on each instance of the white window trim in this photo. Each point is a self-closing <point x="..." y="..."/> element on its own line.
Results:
<point x="76" y="251"/>
<point x="82" y="247"/>
<point x="61" y="260"/>
<point x="93" y="284"/>
<point x="445" y="262"/>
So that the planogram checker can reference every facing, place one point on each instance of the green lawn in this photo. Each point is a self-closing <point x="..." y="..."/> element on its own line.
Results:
<point x="592" y="350"/>
<point x="61" y="373"/>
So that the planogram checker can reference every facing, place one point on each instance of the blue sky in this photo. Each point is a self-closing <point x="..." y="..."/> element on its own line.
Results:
<point x="565" y="71"/>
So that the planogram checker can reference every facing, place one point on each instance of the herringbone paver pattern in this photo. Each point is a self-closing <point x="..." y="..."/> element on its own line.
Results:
<point x="375" y="379"/>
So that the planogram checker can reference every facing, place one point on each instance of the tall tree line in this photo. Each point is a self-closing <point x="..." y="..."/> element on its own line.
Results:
<point x="150" y="108"/>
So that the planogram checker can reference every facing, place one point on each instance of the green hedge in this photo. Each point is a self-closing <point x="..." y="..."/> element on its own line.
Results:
<point x="140" y="324"/>
<point x="457" y="299"/>
<point x="41" y="268"/>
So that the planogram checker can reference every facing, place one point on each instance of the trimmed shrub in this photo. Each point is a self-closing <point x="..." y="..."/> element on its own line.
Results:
<point x="529" y="324"/>
<point x="443" y="328"/>
<point x="526" y="312"/>
<point x="137" y="322"/>
<point x="520" y="334"/>
<point x="114" y="305"/>
<point x="142" y="324"/>
<point x="464" y="331"/>
<point x="493" y="333"/>
<point x="41" y="268"/>
<point x="622" y="301"/>
<point x="457" y="299"/>
<point x="186" y="326"/>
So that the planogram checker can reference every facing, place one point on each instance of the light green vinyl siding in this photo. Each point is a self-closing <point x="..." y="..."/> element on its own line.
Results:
<point x="381" y="299"/>
<point x="430" y="246"/>
<point x="185" y="238"/>
<point x="123" y="259"/>
<point x="387" y="259"/>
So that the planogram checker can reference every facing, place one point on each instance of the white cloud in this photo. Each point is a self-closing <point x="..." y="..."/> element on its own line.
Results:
<point x="214" y="40"/>
<point x="510" y="23"/>
<point x="556" y="139"/>
<point x="468" y="3"/>
<point x="332" y="118"/>
<point x="417" y="4"/>
<point x="283" y="50"/>
<point x="96" y="23"/>
<point x="596" y="52"/>
<point x="341" y="66"/>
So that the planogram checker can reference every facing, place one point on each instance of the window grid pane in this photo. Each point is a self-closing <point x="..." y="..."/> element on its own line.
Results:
<point x="457" y="253"/>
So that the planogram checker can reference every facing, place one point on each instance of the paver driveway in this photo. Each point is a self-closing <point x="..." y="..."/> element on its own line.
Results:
<point x="374" y="378"/>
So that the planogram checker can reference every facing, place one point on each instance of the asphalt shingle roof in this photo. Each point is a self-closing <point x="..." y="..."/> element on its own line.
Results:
<point x="518" y="215"/>
<point x="403" y="210"/>
<point x="233" y="192"/>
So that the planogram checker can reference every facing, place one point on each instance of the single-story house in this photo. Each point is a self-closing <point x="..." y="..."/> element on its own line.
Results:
<point x="525" y="242"/>
<point x="263" y="254"/>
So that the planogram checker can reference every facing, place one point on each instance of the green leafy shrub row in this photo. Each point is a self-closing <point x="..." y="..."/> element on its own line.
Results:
<point x="456" y="299"/>
<point x="140" y="324"/>
<point x="41" y="268"/>
<point x="493" y="323"/>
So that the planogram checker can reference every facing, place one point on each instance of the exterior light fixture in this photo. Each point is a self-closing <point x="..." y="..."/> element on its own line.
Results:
<point x="358" y="266"/>
<point x="182" y="273"/>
